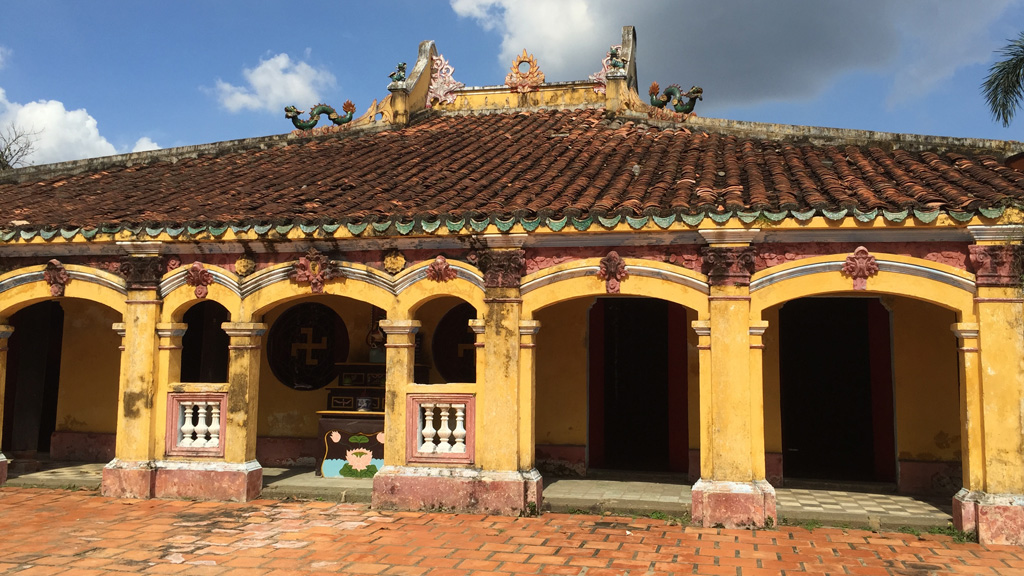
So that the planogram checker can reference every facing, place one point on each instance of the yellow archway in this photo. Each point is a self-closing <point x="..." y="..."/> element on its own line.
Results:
<point x="25" y="286"/>
<point x="915" y="278"/>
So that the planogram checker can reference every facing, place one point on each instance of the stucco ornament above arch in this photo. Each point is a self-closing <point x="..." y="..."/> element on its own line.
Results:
<point x="866" y="273"/>
<point x="582" y="278"/>
<point x="184" y="286"/>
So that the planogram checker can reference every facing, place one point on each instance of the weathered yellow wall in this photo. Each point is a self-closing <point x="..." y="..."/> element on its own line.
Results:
<point x="926" y="383"/>
<point x="90" y="364"/>
<point x="562" y="373"/>
<point x="284" y="412"/>
<point x="770" y="377"/>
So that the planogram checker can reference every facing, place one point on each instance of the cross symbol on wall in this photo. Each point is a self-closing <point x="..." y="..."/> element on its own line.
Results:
<point x="308" y="346"/>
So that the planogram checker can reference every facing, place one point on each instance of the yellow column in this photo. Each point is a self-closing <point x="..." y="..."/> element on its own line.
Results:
<point x="169" y="336"/>
<point x="757" y="330"/>
<point x="732" y="490"/>
<point x="5" y="332"/>
<point x="527" y="392"/>
<point x="243" y="390"/>
<point x="130" y="474"/>
<point x="992" y="500"/>
<point x="401" y="360"/>
<point x="971" y="446"/>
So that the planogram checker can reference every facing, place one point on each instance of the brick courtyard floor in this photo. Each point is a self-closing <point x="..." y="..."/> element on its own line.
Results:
<point x="46" y="531"/>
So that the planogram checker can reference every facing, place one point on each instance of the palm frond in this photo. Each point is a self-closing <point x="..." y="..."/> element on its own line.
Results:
<point x="1004" y="86"/>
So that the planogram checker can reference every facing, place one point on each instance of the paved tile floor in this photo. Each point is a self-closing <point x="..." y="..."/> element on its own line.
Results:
<point x="860" y="506"/>
<point x="47" y="531"/>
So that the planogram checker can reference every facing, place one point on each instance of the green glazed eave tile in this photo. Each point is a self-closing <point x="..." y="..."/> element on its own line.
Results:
<point x="748" y="217"/>
<point x="430" y="227"/>
<point x="356" y="229"/>
<point x="405" y="227"/>
<point x="865" y="216"/>
<point x="610" y="222"/>
<point x="895" y="216"/>
<point x="664" y="222"/>
<point x="557" y="225"/>
<point x="926" y="217"/>
<point x="836" y="215"/>
<point x="504" y="225"/>
<point x="720" y="218"/>
<point x="583" y="224"/>
<point x="637" y="223"/>
<point x="802" y="216"/>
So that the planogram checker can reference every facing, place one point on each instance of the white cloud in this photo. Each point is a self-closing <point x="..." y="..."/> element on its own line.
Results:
<point x="60" y="134"/>
<point x="745" y="52"/>
<point x="145" y="143"/>
<point x="5" y="53"/>
<point x="273" y="84"/>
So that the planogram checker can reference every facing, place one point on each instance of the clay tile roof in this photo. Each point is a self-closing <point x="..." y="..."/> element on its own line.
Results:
<point x="553" y="163"/>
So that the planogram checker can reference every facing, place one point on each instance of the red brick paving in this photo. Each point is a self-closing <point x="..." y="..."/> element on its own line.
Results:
<point x="62" y="532"/>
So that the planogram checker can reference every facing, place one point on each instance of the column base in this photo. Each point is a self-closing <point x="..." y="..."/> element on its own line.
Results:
<point x="725" y="504"/>
<point x="127" y="479"/>
<point x="183" y="479"/>
<point x="3" y="468"/>
<point x="208" y="480"/>
<point x="458" y="489"/>
<point x="995" y="518"/>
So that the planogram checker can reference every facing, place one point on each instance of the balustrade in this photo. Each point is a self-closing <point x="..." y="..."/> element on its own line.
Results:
<point x="442" y="428"/>
<point x="194" y="424"/>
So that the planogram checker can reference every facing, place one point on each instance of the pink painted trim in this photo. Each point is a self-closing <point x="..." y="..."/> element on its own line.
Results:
<point x="413" y="437"/>
<point x="174" y="400"/>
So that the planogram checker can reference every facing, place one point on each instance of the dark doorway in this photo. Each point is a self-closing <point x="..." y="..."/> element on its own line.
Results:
<point x="835" y="364"/>
<point x="33" y="377"/>
<point x="204" y="347"/>
<point x="637" y="385"/>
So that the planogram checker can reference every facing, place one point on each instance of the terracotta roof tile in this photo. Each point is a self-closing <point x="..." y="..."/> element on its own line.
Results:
<point x="549" y="162"/>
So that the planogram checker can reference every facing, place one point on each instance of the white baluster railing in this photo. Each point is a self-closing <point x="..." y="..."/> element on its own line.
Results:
<point x="200" y="424"/>
<point x="435" y="428"/>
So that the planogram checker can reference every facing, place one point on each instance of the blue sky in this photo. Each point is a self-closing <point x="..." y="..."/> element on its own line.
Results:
<point x="110" y="76"/>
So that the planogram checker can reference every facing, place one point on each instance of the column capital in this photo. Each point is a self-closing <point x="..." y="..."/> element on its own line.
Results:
<point x="142" y="272"/>
<point x="965" y="330"/>
<point x="400" y="326"/>
<point x="118" y="327"/>
<point x="529" y="327"/>
<point x="701" y="327"/>
<point x="244" y="329"/>
<point x="996" y="265"/>
<point x="171" y="329"/>
<point x="502" y="268"/>
<point x="728" y="265"/>
<point x="5" y="331"/>
<point x="477" y="325"/>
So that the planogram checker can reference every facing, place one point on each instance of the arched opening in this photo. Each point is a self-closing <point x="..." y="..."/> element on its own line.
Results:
<point x="863" y="389"/>
<point x="322" y="385"/>
<point x="204" y="347"/>
<point x="616" y="386"/>
<point x="60" y="400"/>
<point x="445" y="343"/>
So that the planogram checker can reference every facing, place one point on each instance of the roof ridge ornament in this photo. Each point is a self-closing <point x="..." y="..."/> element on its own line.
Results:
<point x="292" y="113"/>
<point x="612" y="63"/>
<point x="442" y="84"/>
<point x="524" y="82"/>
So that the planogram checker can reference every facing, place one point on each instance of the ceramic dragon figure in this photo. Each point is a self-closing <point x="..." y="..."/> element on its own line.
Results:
<point x="292" y="113"/>
<point x="674" y="95"/>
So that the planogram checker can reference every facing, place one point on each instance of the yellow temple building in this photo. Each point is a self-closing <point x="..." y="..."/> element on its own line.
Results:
<point x="465" y="290"/>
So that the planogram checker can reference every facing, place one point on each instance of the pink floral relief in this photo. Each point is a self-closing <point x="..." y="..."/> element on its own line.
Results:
<point x="380" y="437"/>
<point x="358" y="458"/>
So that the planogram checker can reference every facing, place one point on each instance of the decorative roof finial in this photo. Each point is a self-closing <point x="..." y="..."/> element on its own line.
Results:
<point x="399" y="74"/>
<point x="292" y="113"/>
<point x="524" y="82"/>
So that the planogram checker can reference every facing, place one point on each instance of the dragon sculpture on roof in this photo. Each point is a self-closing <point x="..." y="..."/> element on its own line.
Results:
<point x="292" y="113"/>
<point x="674" y="95"/>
